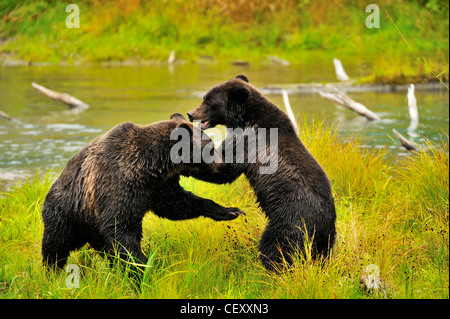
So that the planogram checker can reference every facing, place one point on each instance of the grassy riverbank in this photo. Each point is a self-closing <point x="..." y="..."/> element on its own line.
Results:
<point x="145" y="32"/>
<point x="391" y="213"/>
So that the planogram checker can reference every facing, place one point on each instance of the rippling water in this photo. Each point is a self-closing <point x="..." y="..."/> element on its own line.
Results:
<point x="47" y="134"/>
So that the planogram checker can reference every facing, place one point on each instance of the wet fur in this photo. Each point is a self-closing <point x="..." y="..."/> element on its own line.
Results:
<point x="106" y="189"/>
<point x="297" y="198"/>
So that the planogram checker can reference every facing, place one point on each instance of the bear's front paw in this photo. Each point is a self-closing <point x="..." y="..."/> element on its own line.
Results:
<point x="227" y="213"/>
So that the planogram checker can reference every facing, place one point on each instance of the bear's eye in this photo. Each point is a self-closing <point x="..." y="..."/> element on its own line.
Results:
<point x="212" y="106"/>
<point x="212" y="101"/>
<point x="207" y="97"/>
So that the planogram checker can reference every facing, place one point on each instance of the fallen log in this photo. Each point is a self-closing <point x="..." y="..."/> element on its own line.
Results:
<point x="240" y="63"/>
<point x="289" y="110"/>
<point x="6" y="116"/>
<point x="60" y="96"/>
<point x="347" y="87"/>
<point x="347" y="102"/>
<point x="412" y="108"/>
<point x="410" y="146"/>
<point x="277" y="60"/>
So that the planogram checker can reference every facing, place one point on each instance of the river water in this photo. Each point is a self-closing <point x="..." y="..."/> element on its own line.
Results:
<point x="47" y="135"/>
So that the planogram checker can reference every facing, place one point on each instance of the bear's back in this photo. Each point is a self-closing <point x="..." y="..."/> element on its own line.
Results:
<point x="133" y="151"/>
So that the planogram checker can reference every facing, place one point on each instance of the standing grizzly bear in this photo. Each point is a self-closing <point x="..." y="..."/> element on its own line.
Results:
<point x="105" y="190"/>
<point x="296" y="196"/>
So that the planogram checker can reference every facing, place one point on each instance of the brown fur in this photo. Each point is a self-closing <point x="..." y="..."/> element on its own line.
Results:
<point x="106" y="189"/>
<point x="297" y="198"/>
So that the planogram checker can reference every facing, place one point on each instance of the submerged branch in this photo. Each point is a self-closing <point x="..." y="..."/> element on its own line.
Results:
<point x="410" y="146"/>
<point x="289" y="110"/>
<point x="412" y="107"/>
<point x="6" y="116"/>
<point x="339" y="69"/>
<point x="60" y="96"/>
<point x="277" y="60"/>
<point x="344" y="100"/>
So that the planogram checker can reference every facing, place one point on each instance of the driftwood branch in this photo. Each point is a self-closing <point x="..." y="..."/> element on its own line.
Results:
<point x="289" y="110"/>
<point x="339" y="69"/>
<point x="6" y="116"/>
<point x="412" y="107"/>
<point x="60" y="96"/>
<point x="344" y="100"/>
<point x="277" y="60"/>
<point x="347" y="87"/>
<point x="240" y="63"/>
<point x="410" y="146"/>
<point x="171" y="58"/>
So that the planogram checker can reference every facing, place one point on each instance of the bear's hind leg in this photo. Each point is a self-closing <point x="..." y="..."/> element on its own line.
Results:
<point x="131" y="246"/>
<point x="125" y="246"/>
<point x="279" y="243"/>
<point x="57" y="245"/>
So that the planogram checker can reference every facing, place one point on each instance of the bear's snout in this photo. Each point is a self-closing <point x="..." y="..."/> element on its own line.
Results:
<point x="191" y="116"/>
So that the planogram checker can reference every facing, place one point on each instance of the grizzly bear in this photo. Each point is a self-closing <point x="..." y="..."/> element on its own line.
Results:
<point x="295" y="196"/>
<point x="105" y="190"/>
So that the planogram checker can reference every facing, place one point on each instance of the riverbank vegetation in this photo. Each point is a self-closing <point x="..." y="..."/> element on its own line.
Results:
<point x="411" y="44"/>
<point x="391" y="212"/>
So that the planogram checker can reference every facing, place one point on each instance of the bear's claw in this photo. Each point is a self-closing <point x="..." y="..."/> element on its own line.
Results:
<point x="228" y="213"/>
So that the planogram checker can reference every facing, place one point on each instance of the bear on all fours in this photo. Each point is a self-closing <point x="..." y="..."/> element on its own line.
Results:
<point x="105" y="190"/>
<point x="296" y="197"/>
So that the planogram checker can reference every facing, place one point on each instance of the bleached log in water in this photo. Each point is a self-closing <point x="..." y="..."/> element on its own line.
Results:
<point x="410" y="146"/>
<point x="289" y="109"/>
<point x="412" y="107"/>
<point x="171" y="58"/>
<point x="278" y="60"/>
<point x="347" y="102"/>
<point x="340" y="72"/>
<point x="61" y="96"/>
<point x="6" y="116"/>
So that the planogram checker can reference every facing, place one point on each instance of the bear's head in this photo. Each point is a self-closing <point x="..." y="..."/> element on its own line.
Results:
<point x="225" y="104"/>
<point x="191" y="144"/>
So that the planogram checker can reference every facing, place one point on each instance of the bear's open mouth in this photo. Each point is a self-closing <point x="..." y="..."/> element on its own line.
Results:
<point x="204" y="125"/>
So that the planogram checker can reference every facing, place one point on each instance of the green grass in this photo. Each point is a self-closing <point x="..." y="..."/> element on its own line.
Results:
<point x="138" y="30"/>
<point x="391" y="213"/>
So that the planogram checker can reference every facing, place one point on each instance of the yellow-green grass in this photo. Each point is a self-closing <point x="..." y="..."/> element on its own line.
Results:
<point x="390" y="213"/>
<point x="120" y="30"/>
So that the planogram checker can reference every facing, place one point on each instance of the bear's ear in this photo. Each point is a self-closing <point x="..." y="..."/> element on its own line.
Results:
<point x="242" y="77"/>
<point x="186" y="126"/>
<point x="238" y="93"/>
<point x="177" y="116"/>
